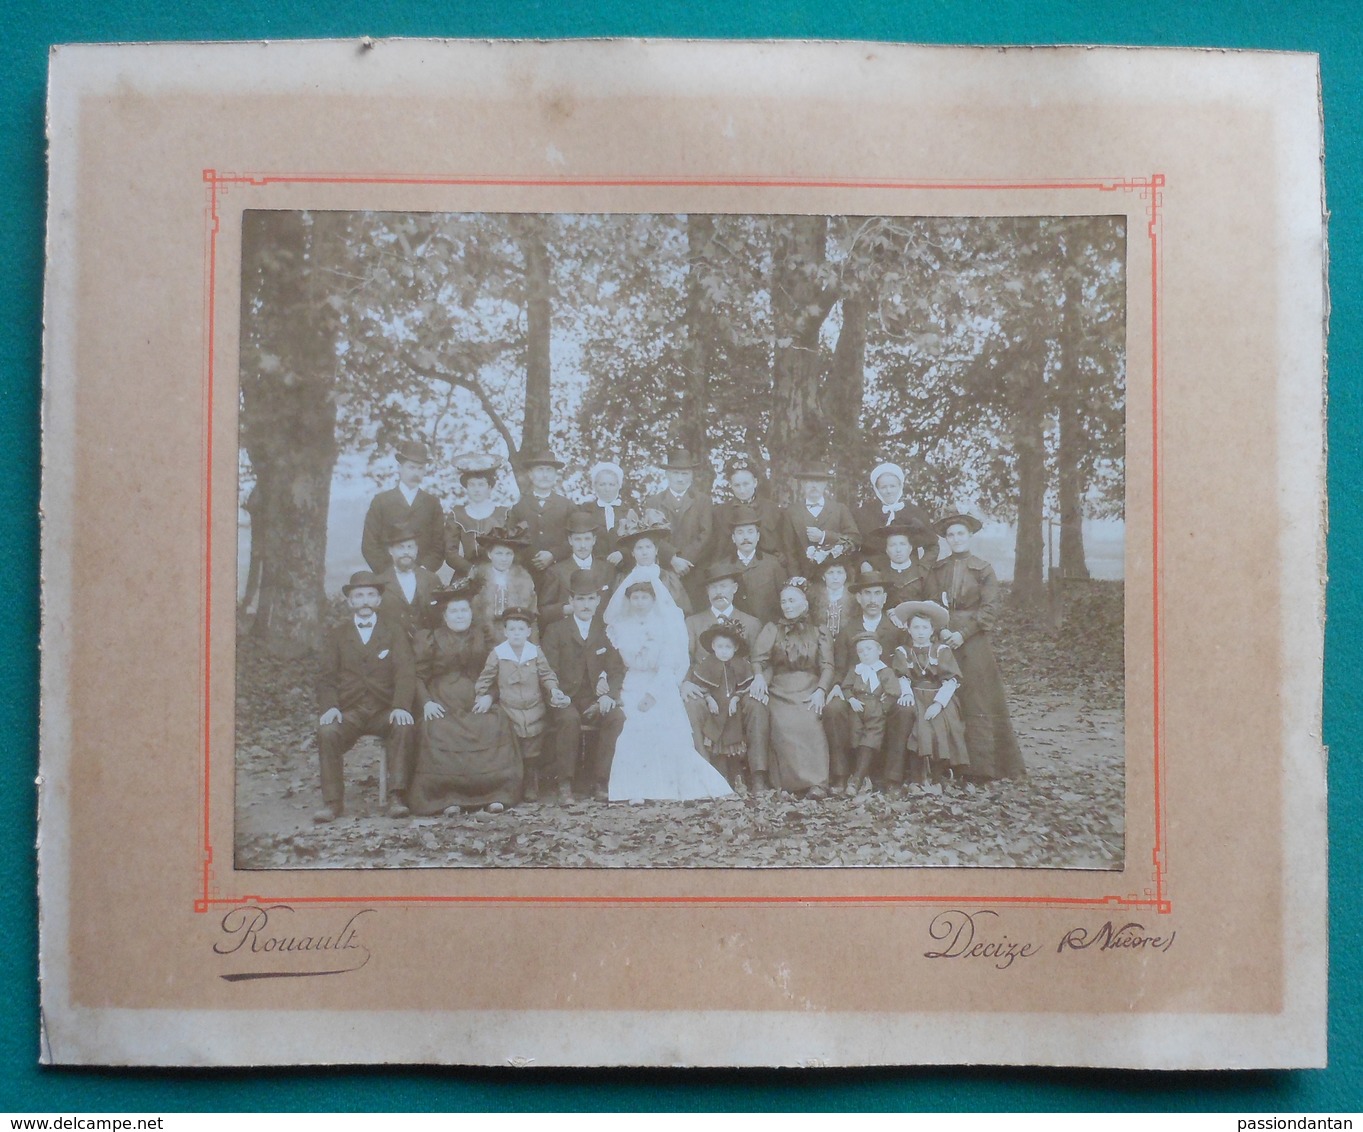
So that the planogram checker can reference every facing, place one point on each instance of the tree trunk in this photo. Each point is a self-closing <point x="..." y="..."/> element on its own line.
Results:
<point x="1070" y="487"/>
<point x="535" y="430"/>
<point x="800" y="302"/>
<point x="842" y="395"/>
<point x="1029" y="446"/>
<point x="698" y="349"/>
<point x="288" y="415"/>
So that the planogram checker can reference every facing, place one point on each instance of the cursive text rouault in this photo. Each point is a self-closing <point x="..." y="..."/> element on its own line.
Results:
<point x="269" y="932"/>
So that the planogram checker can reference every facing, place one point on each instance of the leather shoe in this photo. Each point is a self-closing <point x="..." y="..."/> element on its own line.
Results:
<point x="326" y="814"/>
<point x="397" y="808"/>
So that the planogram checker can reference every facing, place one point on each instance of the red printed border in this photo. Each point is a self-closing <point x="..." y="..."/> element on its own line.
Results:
<point x="1151" y="190"/>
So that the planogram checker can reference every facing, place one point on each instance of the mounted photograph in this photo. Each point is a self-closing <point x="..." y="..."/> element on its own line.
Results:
<point x="678" y="541"/>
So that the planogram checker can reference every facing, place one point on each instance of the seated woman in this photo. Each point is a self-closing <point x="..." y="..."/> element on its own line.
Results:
<point x="503" y="583"/>
<point x="795" y="658"/>
<point x="640" y="539"/>
<point x="464" y="760"/>
<point x="654" y="755"/>
<point x="467" y="522"/>
<point x="970" y="592"/>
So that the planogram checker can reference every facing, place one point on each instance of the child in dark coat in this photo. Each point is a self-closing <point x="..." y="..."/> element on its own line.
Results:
<point x="725" y="675"/>
<point x="871" y="688"/>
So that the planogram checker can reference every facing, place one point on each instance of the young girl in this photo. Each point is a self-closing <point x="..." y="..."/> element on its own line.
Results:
<point x="725" y="677"/>
<point x="831" y="604"/>
<point x="517" y="675"/>
<point x="871" y="689"/>
<point x="939" y="733"/>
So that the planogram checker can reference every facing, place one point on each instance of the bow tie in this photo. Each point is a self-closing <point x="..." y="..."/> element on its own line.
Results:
<point x="366" y="624"/>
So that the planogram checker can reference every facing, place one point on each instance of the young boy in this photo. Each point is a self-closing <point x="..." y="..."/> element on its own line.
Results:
<point x="724" y="676"/>
<point x="871" y="689"/>
<point x="366" y="687"/>
<point x="517" y="675"/>
<point x="406" y="503"/>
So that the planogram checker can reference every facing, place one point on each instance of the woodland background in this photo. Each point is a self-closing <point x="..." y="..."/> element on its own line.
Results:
<point x="985" y="355"/>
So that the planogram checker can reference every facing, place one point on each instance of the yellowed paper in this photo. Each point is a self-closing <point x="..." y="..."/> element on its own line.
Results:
<point x="1156" y="895"/>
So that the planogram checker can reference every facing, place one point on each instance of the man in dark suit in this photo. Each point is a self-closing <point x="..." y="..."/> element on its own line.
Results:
<point x="366" y="687"/>
<point x="746" y="494"/>
<point x="721" y="584"/>
<point x="690" y="514"/>
<point x="870" y="590"/>
<point x="902" y="564"/>
<point x="544" y="514"/>
<point x="407" y="586"/>
<point x="821" y="525"/>
<point x="583" y="533"/>
<point x="591" y="673"/>
<point x="408" y="504"/>
<point x="761" y="575"/>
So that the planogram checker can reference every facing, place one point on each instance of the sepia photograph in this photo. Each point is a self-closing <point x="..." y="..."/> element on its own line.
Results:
<point x="670" y="541"/>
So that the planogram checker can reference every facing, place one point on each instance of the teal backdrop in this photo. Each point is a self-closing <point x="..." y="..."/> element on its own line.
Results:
<point x="1334" y="30"/>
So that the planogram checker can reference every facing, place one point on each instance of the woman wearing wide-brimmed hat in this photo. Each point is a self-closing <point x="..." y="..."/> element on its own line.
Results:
<point x="504" y="583"/>
<point x="465" y="760"/>
<point x="966" y="585"/>
<point x="467" y="522"/>
<point x="939" y="739"/>
<point x="641" y="540"/>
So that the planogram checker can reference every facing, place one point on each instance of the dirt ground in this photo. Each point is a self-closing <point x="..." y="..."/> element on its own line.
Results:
<point x="1066" y="702"/>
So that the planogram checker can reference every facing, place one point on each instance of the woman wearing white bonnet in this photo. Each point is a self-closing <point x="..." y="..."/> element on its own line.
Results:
<point x="889" y="507"/>
<point x="608" y="507"/>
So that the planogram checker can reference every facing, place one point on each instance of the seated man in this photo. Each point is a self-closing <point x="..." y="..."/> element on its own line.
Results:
<point x="590" y="673"/>
<point x="366" y="687"/>
<point x="721" y="583"/>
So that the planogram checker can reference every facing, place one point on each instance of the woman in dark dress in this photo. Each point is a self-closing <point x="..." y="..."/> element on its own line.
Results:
<point x="795" y="659"/>
<point x="465" y="761"/>
<point x="967" y="586"/>
<point x="470" y="520"/>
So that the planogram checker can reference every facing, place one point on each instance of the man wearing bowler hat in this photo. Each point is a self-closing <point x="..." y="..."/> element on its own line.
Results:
<point x="366" y="686"/>
<point x="823" y="527"/>
<point x="406" y="504"/>
<point x="747" y="493"/>
<point x="590" y="673"/>
<point x="583" y="535"/>
<point x="690" y="514"/>
<point x="408" y="586"/>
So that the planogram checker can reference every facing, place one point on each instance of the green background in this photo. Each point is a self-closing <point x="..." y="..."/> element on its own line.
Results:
<point x="1333" y="30"/>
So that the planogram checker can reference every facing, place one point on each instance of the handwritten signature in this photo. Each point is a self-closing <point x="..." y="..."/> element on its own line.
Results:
<point x="270" y="932"/>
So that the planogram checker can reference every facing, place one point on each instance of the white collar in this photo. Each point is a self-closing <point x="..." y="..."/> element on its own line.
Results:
<point x="868" y="671"/>
<point x="866" y="621"/>
<point x="408" y="493"/>
<point x="729" y="613"/>
<point x="816" y="508"/>
<point x="504" y="652"/>
<point x="585" y="563"/>
<point x="750" y="557"/>
<point x="583" y="627"/>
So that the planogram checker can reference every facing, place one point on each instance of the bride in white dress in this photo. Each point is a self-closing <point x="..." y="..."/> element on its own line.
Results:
<point x="654" y="756"/>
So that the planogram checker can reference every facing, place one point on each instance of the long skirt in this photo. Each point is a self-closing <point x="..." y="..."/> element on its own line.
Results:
<point x="799" y="750"/>
<point x="989" y="733"/>
<point x="464" y="759"/>
<point x="941" y="739"/>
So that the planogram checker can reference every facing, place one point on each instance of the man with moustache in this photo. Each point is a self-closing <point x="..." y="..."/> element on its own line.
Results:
<point x="778" y="537"/>
<point x="366" y="686"/>
<point x="871" y="591"/>
<point x="590" y="673"/>
<point x="721" y="584"/>
<point x="407" y="586"/>
<point x="689" y="513"/>
<point x="760" y="575"/>
<point x="406" y="504"/>
<point x="907" y="575"/>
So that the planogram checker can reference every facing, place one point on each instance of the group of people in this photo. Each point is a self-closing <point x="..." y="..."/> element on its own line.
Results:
<point x="669" y="648"/>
